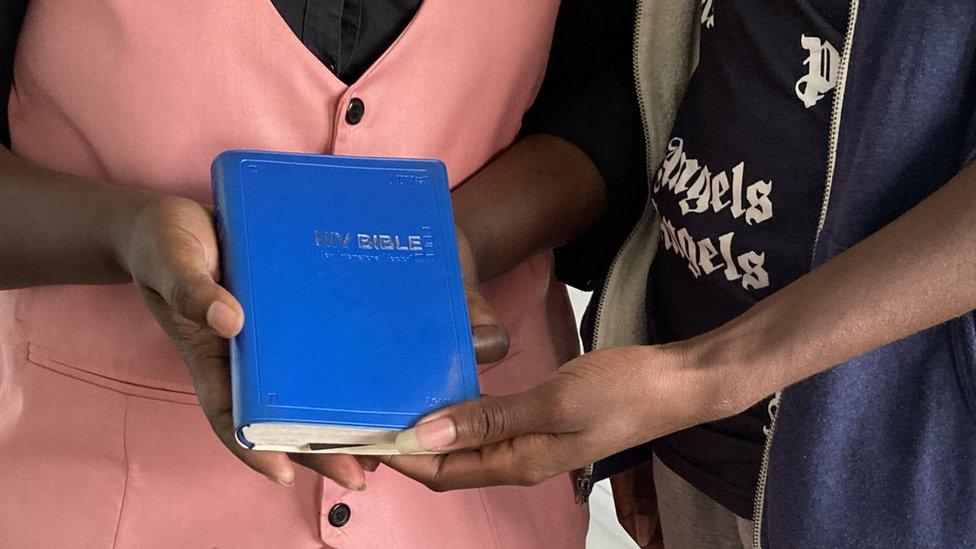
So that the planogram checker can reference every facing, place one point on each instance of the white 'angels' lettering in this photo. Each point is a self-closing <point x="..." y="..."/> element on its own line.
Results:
<point x="708" y="13"/>
<point x="747" y="267"/>
<point x="704" y="191"/>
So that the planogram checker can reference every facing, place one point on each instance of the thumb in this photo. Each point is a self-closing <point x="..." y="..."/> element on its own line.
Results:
<point x="476" y="423"/>
<point x="189" y="287"/>
<point x="488" y="332"/>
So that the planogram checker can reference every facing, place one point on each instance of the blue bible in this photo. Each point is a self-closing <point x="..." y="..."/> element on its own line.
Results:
<point x="355" y="318"/>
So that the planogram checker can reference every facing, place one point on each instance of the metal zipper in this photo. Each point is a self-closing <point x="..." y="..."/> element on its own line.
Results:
<point x="757" y="507"/>
<point x="835" y="117"/>
<point x="584" y="483"/>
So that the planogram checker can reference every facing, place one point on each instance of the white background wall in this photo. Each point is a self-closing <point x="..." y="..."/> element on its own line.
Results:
<point x="605" y="533"/>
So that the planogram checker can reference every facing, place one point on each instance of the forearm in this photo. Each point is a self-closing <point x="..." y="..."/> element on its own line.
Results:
<point x="916" y="272"/>
<point x="539" y="194"/>
<point x="59" y="229"/>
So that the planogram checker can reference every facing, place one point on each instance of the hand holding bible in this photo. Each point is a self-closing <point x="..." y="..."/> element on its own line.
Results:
<point x="596" y="405"/>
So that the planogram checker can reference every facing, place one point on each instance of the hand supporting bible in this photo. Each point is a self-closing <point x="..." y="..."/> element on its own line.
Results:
<point x="612" y="399"/>
<point x="170" y="249"/>
<point x="594" y="406"/>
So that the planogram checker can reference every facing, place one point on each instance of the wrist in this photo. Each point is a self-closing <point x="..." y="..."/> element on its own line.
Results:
<point x="741" y="362"/>
<point x="122" y="222"/>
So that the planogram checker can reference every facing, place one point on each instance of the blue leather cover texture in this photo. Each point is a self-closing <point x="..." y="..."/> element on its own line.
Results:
<point x="348" y="272"/>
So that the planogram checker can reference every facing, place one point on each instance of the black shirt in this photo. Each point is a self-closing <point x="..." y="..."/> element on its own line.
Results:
<point x="739" y="195"/>
<point x="586" y="98"/>
<point x="347" y="35"/>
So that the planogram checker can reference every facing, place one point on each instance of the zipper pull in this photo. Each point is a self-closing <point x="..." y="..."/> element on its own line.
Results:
<point x="584" y="485"/>
<point x="773" y="409"/>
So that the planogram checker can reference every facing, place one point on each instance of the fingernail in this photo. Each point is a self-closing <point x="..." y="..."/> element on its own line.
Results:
<point x="370" y="463"/>
<point x="283" y="479"/>
<point x="432" y="417"/>
<point x="355" y="487"/>
<point x="427" y="436"/>
<point x="643" y="530"/>
<point x="222" y="318"/>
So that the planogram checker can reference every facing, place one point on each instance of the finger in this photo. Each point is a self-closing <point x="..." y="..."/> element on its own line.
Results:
<point x="206" y="358"/>
<point x="490" y="337"/>
<point x="478" y="422"/>
<point x="487" y="331"/>
<point x="274" y="465"/>
<point x="647" y="516"/>
<point x="525" y="461"/>
<point x="212" y="384"/>
<point x="345" y="470"/>
<point x="622" y="486"/>
<point x="369" y="463"/>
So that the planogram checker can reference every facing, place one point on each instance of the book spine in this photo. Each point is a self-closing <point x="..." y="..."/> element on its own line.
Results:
<point x="229" y="218"/>
<point x="462" y="322"/>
